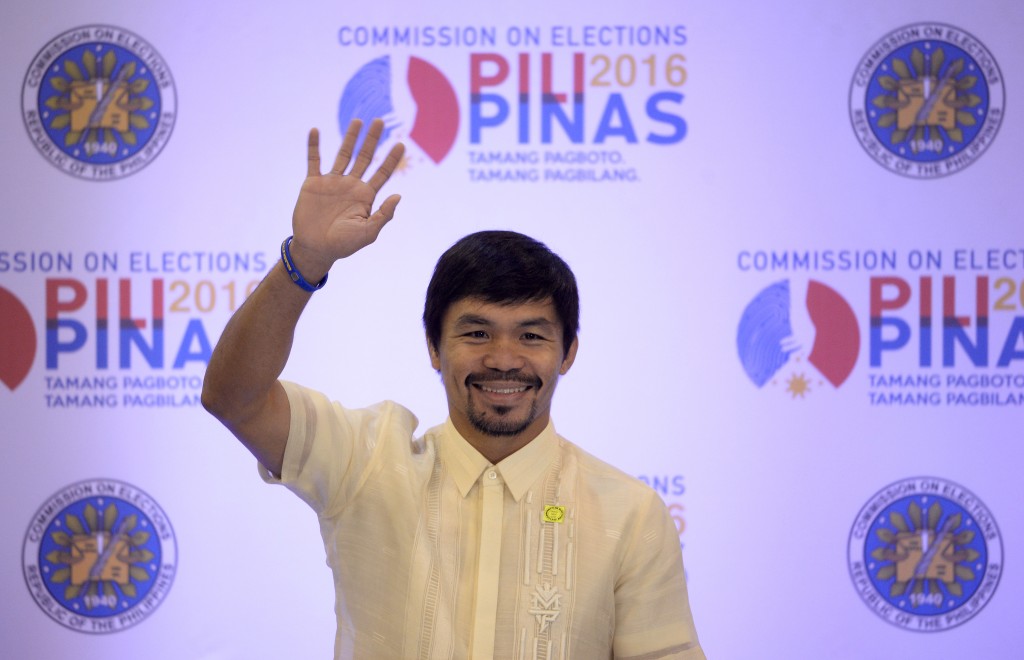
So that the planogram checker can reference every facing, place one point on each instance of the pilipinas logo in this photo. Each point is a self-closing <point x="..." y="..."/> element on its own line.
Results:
<point x="926" y="100"/>
<point x="802" y="335"/>
<point x="428" y="117"/>
<point x="99" y="556"/>
<point x="925" y="554"/>
<point x="17" y="340"/>
<point x="99" y="102"/>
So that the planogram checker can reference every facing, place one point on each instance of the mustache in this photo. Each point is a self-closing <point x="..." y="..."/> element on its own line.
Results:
<point x="504" y="377"/>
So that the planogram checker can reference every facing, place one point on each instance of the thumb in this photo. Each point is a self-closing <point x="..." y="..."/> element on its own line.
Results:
<point x="386" y="210"/>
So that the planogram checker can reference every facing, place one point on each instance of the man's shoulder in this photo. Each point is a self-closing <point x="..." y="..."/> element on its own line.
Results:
<point x="604" y="477"/>
<point x="302" y="393"/>
<point x="312" y="409"/>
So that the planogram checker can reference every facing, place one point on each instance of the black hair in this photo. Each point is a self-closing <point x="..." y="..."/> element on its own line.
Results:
<point x="501" y="267"/>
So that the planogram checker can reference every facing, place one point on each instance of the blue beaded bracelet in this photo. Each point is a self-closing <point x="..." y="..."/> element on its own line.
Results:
<point x="293" y="272"/>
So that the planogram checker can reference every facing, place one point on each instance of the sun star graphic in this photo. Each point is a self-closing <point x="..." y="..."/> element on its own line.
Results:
<point x="798" y="385"/>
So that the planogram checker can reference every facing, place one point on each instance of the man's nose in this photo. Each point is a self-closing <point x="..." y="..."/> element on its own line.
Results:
<point x="504" y="354"/>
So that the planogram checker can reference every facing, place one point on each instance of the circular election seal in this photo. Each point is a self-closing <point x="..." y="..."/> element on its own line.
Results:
<point x="927" y="100"/>
<point x="99" y="556"/>
<point x="925" y="554"/>
<point x="99" y="102"/>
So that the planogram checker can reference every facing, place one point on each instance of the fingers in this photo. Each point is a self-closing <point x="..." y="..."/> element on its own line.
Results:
<point x="386" y="211"/>
<point x="313" y="154"/>
<point x="348" y="145"/>
<point x="387" y="168"/>
<point x="369" y="146"/>
<point x="365" y="155"/>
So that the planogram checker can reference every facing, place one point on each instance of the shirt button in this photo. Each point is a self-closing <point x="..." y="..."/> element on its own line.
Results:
<point x="492" y="475"/>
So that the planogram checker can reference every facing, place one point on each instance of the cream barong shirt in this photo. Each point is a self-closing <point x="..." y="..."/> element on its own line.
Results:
<point x="436" y="553"/>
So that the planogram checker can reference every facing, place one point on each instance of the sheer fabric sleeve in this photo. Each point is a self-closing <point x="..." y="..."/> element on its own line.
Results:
<point x="331" y="448"/>
<point x="652" y="610"/>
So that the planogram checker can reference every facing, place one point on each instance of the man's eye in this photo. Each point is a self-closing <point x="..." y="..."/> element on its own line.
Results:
<point x="532" y="336"/>
<point x="476" y="334"/>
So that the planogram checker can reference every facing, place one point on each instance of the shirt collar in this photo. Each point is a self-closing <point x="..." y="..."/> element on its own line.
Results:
<point x="519" y="470"/>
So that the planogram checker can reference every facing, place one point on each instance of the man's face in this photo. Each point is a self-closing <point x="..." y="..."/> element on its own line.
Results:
<point x="499" y="365"/>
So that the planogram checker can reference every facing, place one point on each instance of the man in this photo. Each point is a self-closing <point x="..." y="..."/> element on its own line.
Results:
<point x="489" y="536"/>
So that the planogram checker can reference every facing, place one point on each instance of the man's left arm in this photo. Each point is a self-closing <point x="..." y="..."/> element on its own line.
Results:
<point x="652" y="610"/>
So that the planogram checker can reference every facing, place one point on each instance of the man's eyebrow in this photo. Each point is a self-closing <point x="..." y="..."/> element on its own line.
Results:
<point x="541" y="321"/>
<point x="471" y="319"/>
<point x="476" y="319"/>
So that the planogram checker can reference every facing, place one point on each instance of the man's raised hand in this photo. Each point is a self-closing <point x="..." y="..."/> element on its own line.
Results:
<point x="334" y="216"/>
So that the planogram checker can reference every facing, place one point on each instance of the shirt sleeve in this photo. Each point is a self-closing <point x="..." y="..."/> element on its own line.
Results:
<point x="652" y="610"/>
<point x="330" y="448"/>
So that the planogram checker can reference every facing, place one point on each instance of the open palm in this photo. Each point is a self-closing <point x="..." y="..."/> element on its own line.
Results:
<point x="334" y="215"/>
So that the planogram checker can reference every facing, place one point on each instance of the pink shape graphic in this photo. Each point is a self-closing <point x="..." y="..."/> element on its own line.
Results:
<point x="437" y="109"/>
<point x="837" y="338"/>
<point x="17" y="340"/>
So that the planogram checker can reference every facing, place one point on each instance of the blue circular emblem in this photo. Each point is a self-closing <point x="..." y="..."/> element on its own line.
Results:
<point x="99" y="102"/>
<point x="925" y="554"/>
<point x="100" y="556"/>
<point x="927" y="100"/>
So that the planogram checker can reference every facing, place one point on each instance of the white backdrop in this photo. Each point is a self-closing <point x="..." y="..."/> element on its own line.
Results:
<point x="720" y="176"/>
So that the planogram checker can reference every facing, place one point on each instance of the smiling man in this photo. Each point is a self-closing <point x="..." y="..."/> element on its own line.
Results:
<point x="489" y="536"/>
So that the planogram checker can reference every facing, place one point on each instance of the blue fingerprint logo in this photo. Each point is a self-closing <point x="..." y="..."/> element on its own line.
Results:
<point x="763" y="327"/>
<point x="368" y="95"/>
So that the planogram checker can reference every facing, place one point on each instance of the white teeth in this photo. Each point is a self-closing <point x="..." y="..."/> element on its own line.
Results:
<point x="511" y="390"/>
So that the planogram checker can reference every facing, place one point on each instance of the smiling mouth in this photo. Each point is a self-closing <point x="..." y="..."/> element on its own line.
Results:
<point x="501" y="390"/>
<point x="503" y="384"/>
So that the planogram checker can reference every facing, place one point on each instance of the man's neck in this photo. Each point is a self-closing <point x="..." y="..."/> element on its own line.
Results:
<point x="496" y="448"/>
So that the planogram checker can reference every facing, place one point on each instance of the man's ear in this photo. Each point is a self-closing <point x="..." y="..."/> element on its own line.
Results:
<point x="570" y="356"/>
<point x="435" y="357"/>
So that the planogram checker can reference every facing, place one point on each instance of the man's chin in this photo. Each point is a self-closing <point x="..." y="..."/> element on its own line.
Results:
<point x="499" y="428"/>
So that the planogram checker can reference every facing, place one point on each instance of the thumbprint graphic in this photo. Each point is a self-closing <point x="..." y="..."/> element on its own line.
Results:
<point x="786" y="318"/>
<point x="424" y="111"/>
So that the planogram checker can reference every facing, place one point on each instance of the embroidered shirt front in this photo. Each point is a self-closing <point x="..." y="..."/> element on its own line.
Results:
<point x="436" y="553"/>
